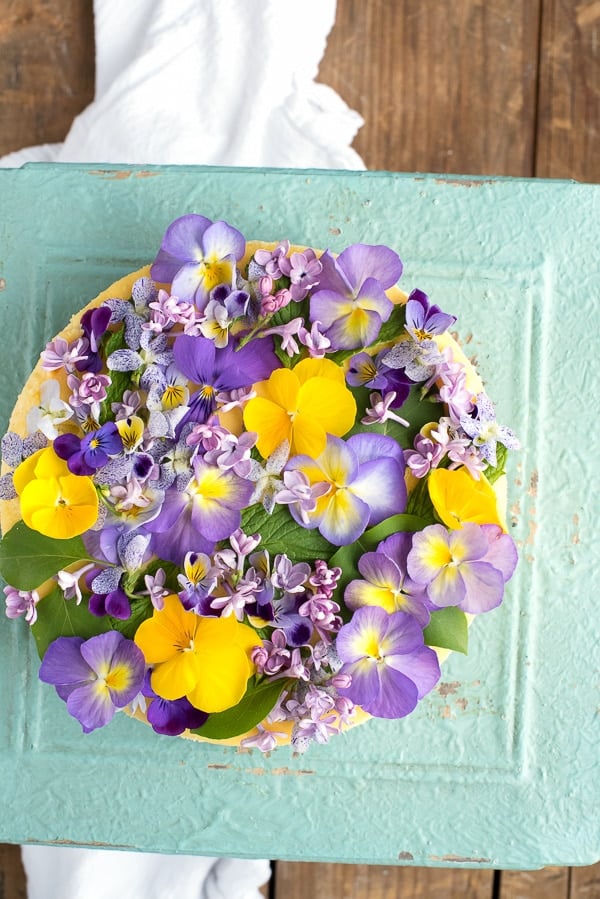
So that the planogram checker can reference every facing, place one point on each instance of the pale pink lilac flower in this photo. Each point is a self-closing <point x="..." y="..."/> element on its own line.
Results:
<point x="326" y="579"/>
<point x="68" y="581"/>
<point x="21" y="602"/>
<point x="90" y="390"/>
<point x="322" y="613"/>
<point x="234" y="452"/>
<point x="155" y="588"/>
<point x="234" y="399"/>
<point x="270" y="259"/>
<point x="272" y="303"/>
<point x="426" y="456"/>
<point x="316" y="342"/>
<point x="303" y="270"/>
<point x="61" y="354"/>
<point x="287" y="333"/>
<point x="299" y="491"/>
<point x="380" y="411"/>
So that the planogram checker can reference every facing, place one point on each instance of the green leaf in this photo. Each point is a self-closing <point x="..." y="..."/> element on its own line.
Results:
<point x="119" y="380"/>
<point x="281" y="534"/>
<point x="141" y="608"/>
<point x="419" y="503"/>
<point x="346" y="558"/>
<point x="492" y="474"/>
<point x="60" y="617"/>
<point x="293" y="310"/>
<point x="394" y="326"/>
<point x="28" y="558"/>
<point x="448" y="629"/>
<point x="256" y="704"/>
<point x="394" y="525"/>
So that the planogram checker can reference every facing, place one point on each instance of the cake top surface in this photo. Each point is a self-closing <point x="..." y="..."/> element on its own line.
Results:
<point x="260" y="484"/>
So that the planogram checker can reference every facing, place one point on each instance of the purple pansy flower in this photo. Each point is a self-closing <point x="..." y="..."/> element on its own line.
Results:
<point x="351" y="303"/>
<point x="385" y="656"/>
<point x="94" y="324"/>
<point x="420" y="356"/>
<point x="216" y="370"/>
<point x="196" y="255"/>
<point x="466" y="567"/>
<point x="94" y="677"/>
<point x="423" y="318"/>
<point x="386" y="582"/>
<point x="86" y="455"/>
<point x="170" y="716"/>
<point x="368" y="371"/>
<point x="194" y="519"/>
<point x="365" y="475"/>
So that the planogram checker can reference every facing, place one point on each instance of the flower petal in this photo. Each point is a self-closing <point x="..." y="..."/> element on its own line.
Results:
<point x="64" y="664"/>
<point x="484" y="587"/>
<point x="361" y="261"/>
<point x="345" y="517"/>
<point x="91" y="705"/>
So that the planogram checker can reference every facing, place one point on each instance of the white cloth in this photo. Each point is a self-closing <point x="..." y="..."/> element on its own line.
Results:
<point x="205" y="82"/>
<point x="58" y="872"/>
<point x="210" y="82"/>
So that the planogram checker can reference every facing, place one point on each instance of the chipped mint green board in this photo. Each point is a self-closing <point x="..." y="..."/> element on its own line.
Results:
<point x="499" y="767"/>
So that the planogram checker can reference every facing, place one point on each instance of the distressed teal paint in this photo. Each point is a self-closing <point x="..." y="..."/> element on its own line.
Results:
<point x="499" y="767"/>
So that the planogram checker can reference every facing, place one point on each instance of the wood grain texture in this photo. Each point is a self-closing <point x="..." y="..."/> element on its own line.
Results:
<point x="46" y="69"/>
<point x="443" y="87"/>
<point x="301" y="880"/>
<point x="585" y="882"/>
<point x="12" y="876"/>
<point x="548" y="883"/>
<point x="569" y="92"/>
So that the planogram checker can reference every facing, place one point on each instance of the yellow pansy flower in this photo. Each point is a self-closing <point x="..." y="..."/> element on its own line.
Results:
<point x="301" y="405"/>
<point x="458" y="498"/>
<point x="54" y="501"/>
<point x="205" y="659"/>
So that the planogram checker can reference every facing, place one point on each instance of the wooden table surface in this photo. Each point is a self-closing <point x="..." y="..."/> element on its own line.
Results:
<point x="503" y="87"/>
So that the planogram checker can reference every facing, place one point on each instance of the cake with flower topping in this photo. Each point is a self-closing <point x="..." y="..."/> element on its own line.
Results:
<point x="251" y="494"/>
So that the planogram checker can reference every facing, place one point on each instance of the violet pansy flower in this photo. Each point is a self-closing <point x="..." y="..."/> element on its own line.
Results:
<point x="86" y="455"/>
<point x="466" y="567"/>
<point x="196" y="255"/>
<point x="389" y="665"/>
<point x="170" y="716"/>
<point x="94" y="677"/>
<point x="216" y="370"/>
<point x="350" y="302"/>
<point x="365" y="476"/>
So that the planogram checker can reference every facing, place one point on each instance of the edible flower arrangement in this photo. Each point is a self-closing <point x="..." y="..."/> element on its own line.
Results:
<point x="254" y="498"/>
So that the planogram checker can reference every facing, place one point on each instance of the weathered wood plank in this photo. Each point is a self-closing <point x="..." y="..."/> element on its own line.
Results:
<point x="46" y="69"/>
<point x="13" y="884"/>
<point x="569" y="92"/>
<point x="585" y="882"/>
<point x="548" y="883"/>
<point x="443" y="87"/>
<point x="301" y="880"/>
